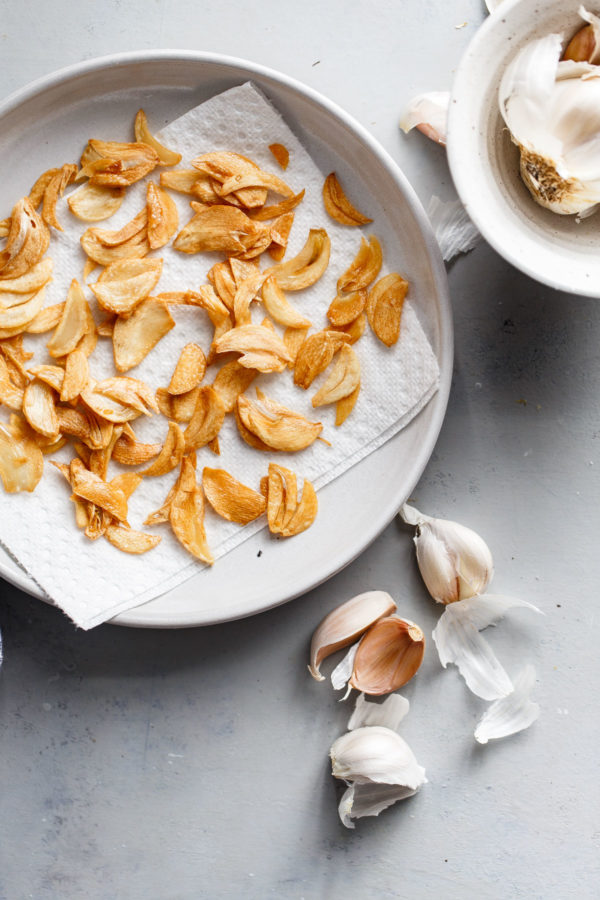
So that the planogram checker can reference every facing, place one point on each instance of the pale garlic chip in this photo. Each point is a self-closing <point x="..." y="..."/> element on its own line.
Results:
<point x="27" y="241"/>
<point x="21" y="461"/>
<point x="135" y="337"/>
<point x="276" y="426"/>
<point x="261" y="348"/>
<point x="76" y="375"/>
<point x="337" y="204"/>
<point x="28" y="283"/>
<point x="285" y="514"/>
<point x="180" y="180"/>
<point x="279" y="308"/>
<point x="14" y="319"/>
<point x="384" y="307"/>
<point x="231" y="499"/>
<point x="40" y="410"/>
<point x="304" y="269"/>
<point x="46" y="319"/>
<point x="73" y="325"/>
<point x="343" y="379"/>
<point x="94" y="203"/>
<point x="11" y="394"/>
<point x="129" y="391"/>
<point x="130" y="541"/>
<point x="163" y="218"/>
<point x="124" y="284"/>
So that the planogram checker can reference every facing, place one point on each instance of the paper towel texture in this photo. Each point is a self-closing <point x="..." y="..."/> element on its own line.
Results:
<point x="92" y="582"/>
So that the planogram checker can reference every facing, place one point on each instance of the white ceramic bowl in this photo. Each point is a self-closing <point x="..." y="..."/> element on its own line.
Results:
<point x="553" y="249"/>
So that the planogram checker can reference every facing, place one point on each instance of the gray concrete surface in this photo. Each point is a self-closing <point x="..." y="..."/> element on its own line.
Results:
<point x="193" y="764"/>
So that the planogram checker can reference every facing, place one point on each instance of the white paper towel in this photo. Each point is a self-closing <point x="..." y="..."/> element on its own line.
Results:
<point x="92" y="582"/>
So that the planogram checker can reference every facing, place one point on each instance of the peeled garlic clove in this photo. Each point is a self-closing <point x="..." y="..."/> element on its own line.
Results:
<point x="512" y="713"/>
<point x="454" y="561"/>
<point x="388" y="656"/>
<point x="458" y="641"/>
<point x="345" y="624"/>
<point x="428" y="113"/>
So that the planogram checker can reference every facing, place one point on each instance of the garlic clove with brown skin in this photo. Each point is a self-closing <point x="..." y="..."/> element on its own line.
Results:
<point x="454" y="561"/>
<point x="346" y="624"/>
<point x="388" y="656"/>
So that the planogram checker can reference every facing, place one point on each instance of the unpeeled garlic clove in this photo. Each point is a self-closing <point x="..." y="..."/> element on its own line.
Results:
<point x="454" y="561"/>
<point x="345" y="624"/>
<point x="388" y="656"/>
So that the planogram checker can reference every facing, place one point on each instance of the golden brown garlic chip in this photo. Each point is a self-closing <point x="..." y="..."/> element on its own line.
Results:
<point x="36" y="194"/>
<point x="85" y="425"/>
<point x="384" y="307"/>
<point x="93" y="203"/>
<point x="189" y="371"/>
<point x="343" y="379"/>
<point x="287" y="516"/>
<point x="354" y="330"/>
<point x="278" y="306"/>
<point x="11" y="394"/>
<point x="179" y="407"/>
<point x="76" y="375"/>
<point x="124" y="284"/>
<point x="281" y="154"/>
<point x="231" y="380"/>
<point x="280" y="233"/>
<point x="130" y="452"/>
<point x="181" y="180"/>
<point x="171" y="453"/>
<point x="337" y="204"/>
<point x="186" y="512"/>
<point x="27" y="241"/>
<point x="222" y="228"/>
<point x="222" y="165"/>
<point x="293" y="338"/>
<point x="21" y="461"/>
<point x="135" y="337"/>
<point x="277" y="209"/>
<point x="129" y="242"/>
<point x="124" y="163"/>
<point x="88" y="486"/>
<point x="364" y="268"/>
<point x="40" y="410"/>
<point x="73" y="325"/>
<point x="163" y="218"/>
<point x="130" y="541"/>
<point x="345" y="406"/>
<point x="206" y="421"/>
<point x="230" y="498"/>
<point x="143" y="135"/>
<point x="304" y="269"/>
<point x="315" y="354"/>
<point x="55" y="189"/>
<point x="346" y="308"/>
<point x="276" y="426"/>
<point x="28" y="283"/>
<point x="14" y="319"/>
<point x="46" y="319"/>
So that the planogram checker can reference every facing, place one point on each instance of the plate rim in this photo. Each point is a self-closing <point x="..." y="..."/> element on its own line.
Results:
<point x="445" y="355"/>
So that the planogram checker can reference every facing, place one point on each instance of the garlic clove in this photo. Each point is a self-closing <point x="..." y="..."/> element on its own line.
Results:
<point x="375" y="754"/>
<point x="345" y="624"/>
<point x="512" y="713"/>
<point x="428" y="113"/>
<point x="389" y="714"/>
<point x="454" y="561"/>
<point x="388" y="656"/>
<point x="458" y="641"/>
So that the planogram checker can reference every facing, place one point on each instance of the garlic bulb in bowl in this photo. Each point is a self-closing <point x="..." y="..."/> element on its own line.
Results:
<point x="515" y="110"/>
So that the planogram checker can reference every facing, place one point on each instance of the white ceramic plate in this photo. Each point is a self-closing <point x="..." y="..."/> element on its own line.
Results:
<point x="44" y="123"/>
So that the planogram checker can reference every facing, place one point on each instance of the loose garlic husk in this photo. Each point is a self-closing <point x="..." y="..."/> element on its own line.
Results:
<point x="455" y="563"/>
<point x="552" y="110"/>
<point x="345" y="624"/>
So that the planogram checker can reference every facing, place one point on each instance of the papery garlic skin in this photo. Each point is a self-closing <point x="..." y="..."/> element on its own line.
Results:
<point x="552" y="111"/>
<point x="512" y="713"/>
<point x="428" y="113"/>
<point x="454" y="561"/>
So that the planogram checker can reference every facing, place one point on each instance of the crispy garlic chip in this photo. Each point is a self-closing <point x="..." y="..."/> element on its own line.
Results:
<point x="85" y="425"/>
<point x="219" y="166"/>
<point x="124" y="284"/>
<point x="123" y="163"/>
<point x="206" y="421"/>
<point x="280" y="232"/>
<point x="246" y="292"/>
<point x="128" y="451"/>
<point x="76" y="375"/>
<point x="36" y="194"/>
<point x="180" y="180"/>
<point x="343" y="379"/>
<point x="217" y="312"/>
<point x="107" y="495"/>
<point x="281" y="154"/>
<point x="143" y="135"/>
<point x="364" y="268"/>
<point x="28" y="283"/>
<point x="21" y="460"/>
<point x="226" y="229"/>
<point x="232" y="380"/>
<point x="223" y="280"/>
<point x="384" y="307"/>
<point x="26" y="243"/>
<point x="186" y="512"/>
<point x="346" y="308"/>
<point x="39" y="408"/>
<point x="344" y="407"/>
<point x="286" y="516"/>
<point x="278" y="306"/>
<point x="51" y="375"/>
<point x="93" y="203"/>
<point x="46" y="319"/>
<point x="354" y="330"/>
<point x="11" y="394"/>
<point x="261" y="348"/>
<point x="277" y="209"/>
<point x="315" y="354"/>
<point x="130" y="242"/>
<point x="14" y="319"/>
<point x="179" y="407"/>
<point x="120" y="399"/>
<point x="134" y="338"/>
<point x="231" y="499"/>
<point x="276" y="426"/>
<point x="189" y="371"/>
<point x="55" y="189"/>
<point x="171" y="452"/>
<point x="337" y="204"/>
<point x="293" y="338"/>
<point x="73" y="325"/>
<point x="163" y="218"/>
<point x="130" y="541"/>
<point x="304" y="269"/>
